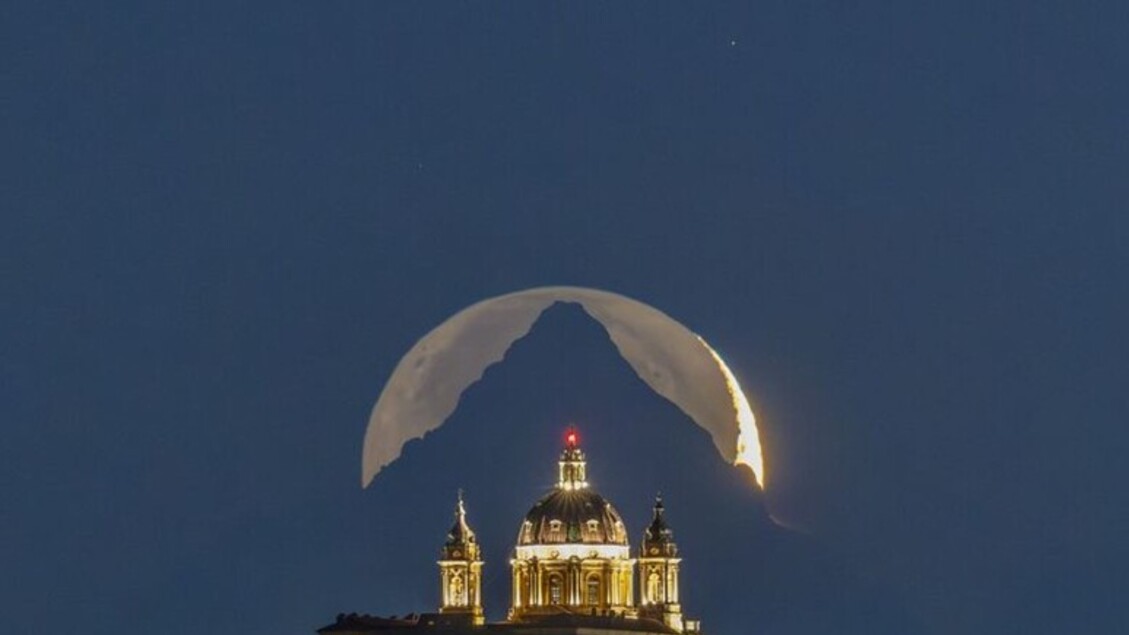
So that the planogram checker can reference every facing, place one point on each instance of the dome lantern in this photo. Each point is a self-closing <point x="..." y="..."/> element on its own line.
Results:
<point x="572" y="468"/>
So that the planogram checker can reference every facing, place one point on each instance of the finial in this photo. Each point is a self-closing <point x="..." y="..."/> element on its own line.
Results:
<point x="460" y="510"/>
<point x="572" y="437"/>
<point x="659" y="503"/>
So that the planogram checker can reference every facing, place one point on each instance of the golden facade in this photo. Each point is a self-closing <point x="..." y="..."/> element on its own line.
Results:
<point x="572" y="557"/>
<point x="460" y="570"/>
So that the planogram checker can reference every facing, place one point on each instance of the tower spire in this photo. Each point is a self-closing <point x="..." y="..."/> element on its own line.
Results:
<point x="460" y="569"/>
<point x="658" y="571"/>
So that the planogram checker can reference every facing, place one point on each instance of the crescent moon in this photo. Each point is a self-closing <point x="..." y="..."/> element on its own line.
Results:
<point x="425" y="387"/>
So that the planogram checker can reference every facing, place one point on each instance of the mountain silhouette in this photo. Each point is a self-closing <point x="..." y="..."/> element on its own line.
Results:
<point x="742" y="572"/>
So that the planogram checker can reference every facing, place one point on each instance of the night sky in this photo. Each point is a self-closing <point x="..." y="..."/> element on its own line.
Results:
<point x="903" y="225"/>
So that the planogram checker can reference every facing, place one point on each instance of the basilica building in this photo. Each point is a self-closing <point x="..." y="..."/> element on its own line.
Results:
<point x="572" y="568"/>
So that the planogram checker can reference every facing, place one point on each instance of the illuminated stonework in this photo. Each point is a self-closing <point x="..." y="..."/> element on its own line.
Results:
<point x="572" y="554"/>
<point x="572" y="561"/>
<point x="460" y="570"/>
<point x="658" y="572"/>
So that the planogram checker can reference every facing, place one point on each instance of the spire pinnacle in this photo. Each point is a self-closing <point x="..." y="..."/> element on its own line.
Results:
<point x="461" y="535"/>
<point x="659" y="534"/>
<point x="460" y="569"/>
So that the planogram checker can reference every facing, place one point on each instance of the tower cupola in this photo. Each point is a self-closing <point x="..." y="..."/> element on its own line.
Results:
<point x="461" y="541"/>
<point x="658" y="538"/>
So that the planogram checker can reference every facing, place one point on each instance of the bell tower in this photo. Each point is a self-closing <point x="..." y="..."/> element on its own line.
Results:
<point x="658" y="572"/>
<point x="460" y="570"/>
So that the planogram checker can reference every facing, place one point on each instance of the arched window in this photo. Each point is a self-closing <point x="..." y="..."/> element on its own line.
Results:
<point x="654" y="587"/>
<point x="455" y="591"/>
<point x="592" y="590"/>
<point x="556" y="585"/>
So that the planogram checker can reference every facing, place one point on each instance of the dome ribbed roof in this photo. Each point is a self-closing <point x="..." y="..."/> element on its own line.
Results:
<point x="579" y="516"/>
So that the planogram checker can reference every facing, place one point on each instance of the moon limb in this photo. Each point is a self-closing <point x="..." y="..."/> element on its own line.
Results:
<point x="425" y="387"/>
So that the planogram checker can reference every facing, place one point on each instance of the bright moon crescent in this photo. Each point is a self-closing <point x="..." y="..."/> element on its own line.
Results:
<point x="425" y="387"/>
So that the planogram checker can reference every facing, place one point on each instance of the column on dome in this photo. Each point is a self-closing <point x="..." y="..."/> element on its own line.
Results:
<point x="573" y="581"/>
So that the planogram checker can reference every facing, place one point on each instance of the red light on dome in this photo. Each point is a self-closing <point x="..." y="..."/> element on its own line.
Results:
<point x="572" y="438"/>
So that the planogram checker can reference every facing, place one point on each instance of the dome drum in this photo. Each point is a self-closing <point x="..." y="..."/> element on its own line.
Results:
<point x="568" y="552"/>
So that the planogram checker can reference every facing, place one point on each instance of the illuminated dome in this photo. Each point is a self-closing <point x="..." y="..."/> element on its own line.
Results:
<point x="578" y="516"/>
<point x="572" y="553"/>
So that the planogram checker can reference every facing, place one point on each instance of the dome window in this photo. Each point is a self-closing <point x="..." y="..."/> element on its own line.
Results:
<point x="556" y="583"/>
<point x="592" y="590"/>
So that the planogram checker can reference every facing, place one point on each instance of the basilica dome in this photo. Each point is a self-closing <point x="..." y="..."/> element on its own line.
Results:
<point x="572" y="513"/>
<point x="572" y="552"/>
<point x="572" y="516"/>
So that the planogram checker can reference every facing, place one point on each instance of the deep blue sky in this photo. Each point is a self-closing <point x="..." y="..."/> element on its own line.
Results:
<point x="903" y="224"/>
